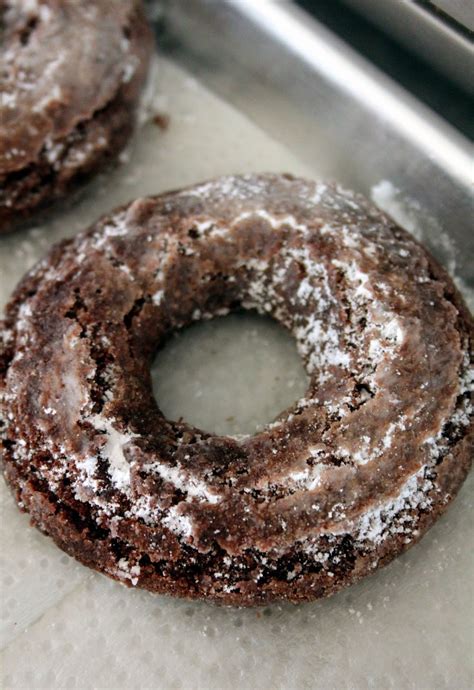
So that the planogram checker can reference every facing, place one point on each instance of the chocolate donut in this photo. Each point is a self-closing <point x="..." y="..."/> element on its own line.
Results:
<point x="70" y="78"/>
<point x="349" y="477"/>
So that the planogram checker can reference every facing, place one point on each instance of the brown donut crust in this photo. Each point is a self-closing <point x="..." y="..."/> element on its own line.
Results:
<point x="70" y="79"/>
<point x="352" y="475"/>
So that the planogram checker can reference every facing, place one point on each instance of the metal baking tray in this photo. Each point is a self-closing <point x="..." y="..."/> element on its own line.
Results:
<point x="341" y="118"/>
<point x="439" y="31"/>
<point x="336" y="111"/>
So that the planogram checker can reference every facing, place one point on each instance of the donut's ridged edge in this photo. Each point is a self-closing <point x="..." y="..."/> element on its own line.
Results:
<point x="118" y="116"/>
<point x="47" y="517"/>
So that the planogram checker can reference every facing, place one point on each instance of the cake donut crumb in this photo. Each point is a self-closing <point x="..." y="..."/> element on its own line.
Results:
<point x="349" y="477"/>
<point x="71" y="74"/>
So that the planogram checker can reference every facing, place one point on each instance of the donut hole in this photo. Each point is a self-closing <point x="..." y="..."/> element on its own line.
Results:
<point x="229" y="376"/>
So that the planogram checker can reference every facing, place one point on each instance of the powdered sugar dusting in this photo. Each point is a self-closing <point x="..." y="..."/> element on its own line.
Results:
<point x="119" y="468"/>
<point x="184" y="481"/>
<point x="126" y="571"/>
<point x="178" y="523"/>
<point x="322" y="280"/>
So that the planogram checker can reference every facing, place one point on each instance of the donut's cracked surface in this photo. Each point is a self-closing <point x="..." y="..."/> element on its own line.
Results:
<point x="352" y="475"/>
<point x="71" y="72"/>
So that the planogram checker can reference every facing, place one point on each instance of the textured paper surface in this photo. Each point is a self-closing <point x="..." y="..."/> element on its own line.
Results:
<point x="63" y="626"/>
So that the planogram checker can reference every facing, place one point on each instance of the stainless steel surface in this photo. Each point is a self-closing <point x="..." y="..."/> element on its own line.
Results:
<point x="461" y="11"/>
<point x="421" y="29"/>
<point x="312" y="92"/>
<point x="409" y="625"/>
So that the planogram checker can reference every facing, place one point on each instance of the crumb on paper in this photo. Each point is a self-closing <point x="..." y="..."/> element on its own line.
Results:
<point x="161" y="120"/>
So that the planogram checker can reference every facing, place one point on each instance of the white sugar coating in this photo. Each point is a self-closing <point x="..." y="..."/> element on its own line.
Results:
<point x="87" y="468"/>
<point x="307" y="479"/>
<point x="112" y="451"/>
<point x="410" y="623"/>
<point x="125" y="571"/>
<point x="354" y="274"/>
<point x="157" y="297"/>
<point x="319" y="339"/>
<point x="184" y="481"/>
<point x="275" y="223"/>
<point x="178" y="523"/>
<point x="130" y="68"/>
<point x="8" y="99"/>
<point x="391" y="330"/>
<point x="391" y="517"/>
